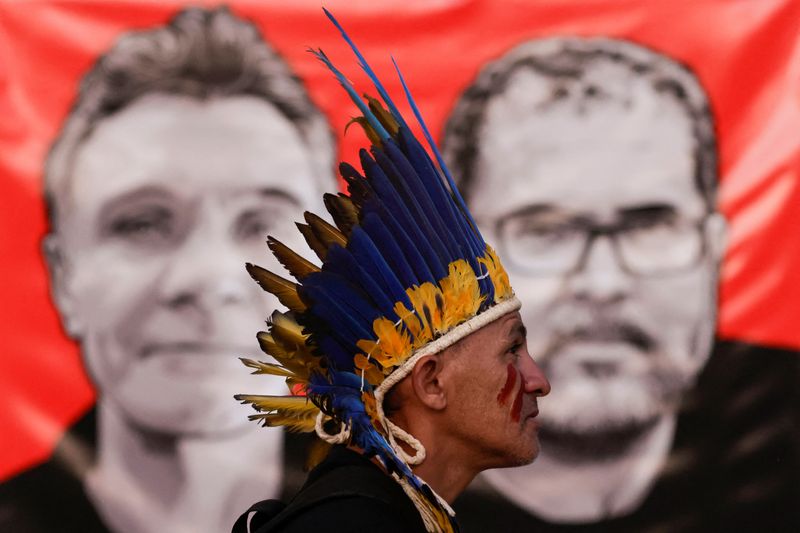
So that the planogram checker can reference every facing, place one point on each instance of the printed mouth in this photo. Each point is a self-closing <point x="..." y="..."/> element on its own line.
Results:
<point x="613" y="333"/>
<point x="211" y="349"/>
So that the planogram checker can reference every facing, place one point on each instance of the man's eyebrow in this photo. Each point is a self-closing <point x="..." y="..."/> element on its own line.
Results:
<point x="533" y="210"/>
<point x="654" y="210"/>
<point x="144" y="192"/>
<point x="517" y="329"/>
<point x="275" y="192"/>
<point x="547" y="213"/>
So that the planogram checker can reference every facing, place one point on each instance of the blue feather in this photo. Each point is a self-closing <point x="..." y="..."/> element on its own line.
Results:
<point x="420" y="192"/>
<point x="335" y="354"/>
<point x="435" y="150"/>
<point x="335" y="324"/>
<point x="358" y="187"/>
<point x="341" y="262"/>
<point x="364" y="65"/>
<point x="349" y="308"/>
<point x="387" y="194"/>
<point x="385" y="242"/>
<point x="365" y="252"/>
<point x="410" y="251"/>
<point x="420" y="216"/>
<point x="372" y="119"/>
<point x="427" y="172"/>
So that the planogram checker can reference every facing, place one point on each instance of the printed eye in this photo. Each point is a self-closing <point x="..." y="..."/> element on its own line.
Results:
<point x="148" y="225"/>
<point x="256" y="224"/>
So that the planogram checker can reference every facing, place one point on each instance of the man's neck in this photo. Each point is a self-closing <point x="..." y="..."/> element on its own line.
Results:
<point x="446" y="468"/>
<point x="445" y="471"/>
<point x="144" y="482"/>
<point x="591" y="489"/>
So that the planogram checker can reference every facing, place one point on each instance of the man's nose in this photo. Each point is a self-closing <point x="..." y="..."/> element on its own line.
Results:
<point x="206" y="271"/>
<point x="533" y="379"/>
<point x="600" y="276"/>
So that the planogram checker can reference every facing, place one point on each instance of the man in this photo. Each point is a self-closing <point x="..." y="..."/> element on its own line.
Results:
<point x="186" y="145"/>
<point x="405" y="349"/>
<point x="592" y="162"/>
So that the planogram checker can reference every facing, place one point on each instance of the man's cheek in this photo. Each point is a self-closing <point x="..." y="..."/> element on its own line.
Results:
<point x="510" y="389"/>
<point x="671" y="309"/>
<point x="516" y="407"/>
<point x="111" y="290"/>
<point x="508" y="386"/>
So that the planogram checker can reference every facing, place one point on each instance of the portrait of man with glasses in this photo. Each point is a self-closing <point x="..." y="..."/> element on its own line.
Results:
<point x="592" y="162"/>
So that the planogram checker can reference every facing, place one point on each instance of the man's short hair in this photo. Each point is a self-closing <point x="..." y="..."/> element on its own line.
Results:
<point x="199" y="53"/>
<point x="570" y="58"/>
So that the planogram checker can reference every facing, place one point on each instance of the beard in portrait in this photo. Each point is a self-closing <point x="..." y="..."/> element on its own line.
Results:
<point x="186" y="146"/>
<point x="592" y="162"/>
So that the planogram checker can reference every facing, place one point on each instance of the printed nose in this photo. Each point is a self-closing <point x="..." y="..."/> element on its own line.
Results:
<point x="205" y="273"/>
<point x="600" y="276"/>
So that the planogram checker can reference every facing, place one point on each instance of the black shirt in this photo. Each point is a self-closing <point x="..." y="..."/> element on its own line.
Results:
<point x="50" y="496"/>
<point x="348" y="493"/>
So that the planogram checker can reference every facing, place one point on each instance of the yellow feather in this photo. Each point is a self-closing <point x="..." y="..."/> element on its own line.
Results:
<point x="287" y="332"/>
<point x="462" y="295"/>
<point x="285" y="290"/>
<point x="313" y="241"/>
<point x="498" y="275"/>
<point x="343" y="211"/>
<point x="426" y="300"/>
<point x="370" y="132"/>
<point x="284" y="404"/>
<point x="371" y="372"/>
<point x="325" y="232"/>
<point x="298" y="266"/>
<point x="394" y="344"/>
<point x="384" y="117"/>
<point x="299" y="362"/>
<point x="298" y="424"/>
<point x="260" y="367"/>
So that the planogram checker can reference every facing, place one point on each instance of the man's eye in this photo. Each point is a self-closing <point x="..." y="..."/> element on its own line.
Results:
<point x="258" y="223"/>
<point x="255" y="225"/>
<point x="148" y="225"/>
<point x="537" y="230"/>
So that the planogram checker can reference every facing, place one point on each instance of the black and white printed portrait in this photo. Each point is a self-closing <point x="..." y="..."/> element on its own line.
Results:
<point x="591" y="163"/>
<point x="187" y="145"/>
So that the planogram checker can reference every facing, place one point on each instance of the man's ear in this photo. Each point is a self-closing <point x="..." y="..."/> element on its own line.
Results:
<point x="427" y="382"/>
<point x="716" y="234"/>
<point x="60" y="287"/>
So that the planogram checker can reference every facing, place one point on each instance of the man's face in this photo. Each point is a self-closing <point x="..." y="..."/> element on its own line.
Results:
<point x="166" y="201"/>
<point x="620" y="327"/>
<point x="492" y="403"/>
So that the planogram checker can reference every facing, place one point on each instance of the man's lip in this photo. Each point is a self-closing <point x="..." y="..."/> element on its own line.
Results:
<point x="533" y="414"/>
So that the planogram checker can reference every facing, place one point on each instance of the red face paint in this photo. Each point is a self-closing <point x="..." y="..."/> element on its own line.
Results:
<point x="511" y="380"/>
<point x="516" y="408"/>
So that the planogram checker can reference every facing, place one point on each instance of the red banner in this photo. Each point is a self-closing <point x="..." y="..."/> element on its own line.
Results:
<point x="746" y="56"/>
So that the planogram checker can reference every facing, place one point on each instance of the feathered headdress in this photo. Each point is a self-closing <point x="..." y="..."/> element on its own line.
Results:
<point x="405" y="273"/>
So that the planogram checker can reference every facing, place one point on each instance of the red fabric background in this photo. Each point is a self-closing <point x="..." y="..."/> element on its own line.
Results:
<point x="746" y="53"/>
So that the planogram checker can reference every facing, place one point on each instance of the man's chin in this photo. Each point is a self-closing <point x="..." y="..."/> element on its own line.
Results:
<point x="183" y="407"/>
<point x="183" y="420"/>
<point x="596" y="419"/>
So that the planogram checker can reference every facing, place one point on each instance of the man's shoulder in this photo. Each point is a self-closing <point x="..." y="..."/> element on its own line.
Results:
<point x="47" y="498"/>
<point x="347" y="492"/>
<point x="50" y="496"/>
<point x="348" y="514"/>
